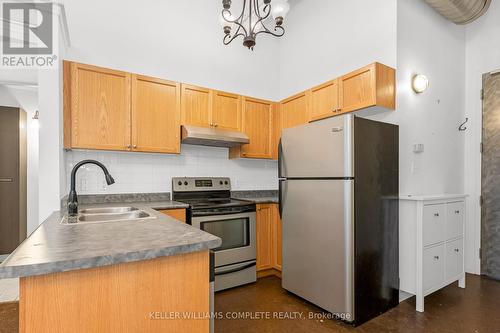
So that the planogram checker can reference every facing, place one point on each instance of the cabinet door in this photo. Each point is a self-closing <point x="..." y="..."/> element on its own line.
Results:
<point x="357" y="89"/>
<point x="257" y="124"/>
<point x="276" y="130"/>
<point x="155" y="115"/>
<point x="433" y="267"/>
<point x="100" y="108"/>
<point x="294" y="111"/>
<point x="454" y="259"/>
<point x="323" y="101"/>
<point x="264" y="237"/>
<point x="178" y="214"/>
<point x="226" y="111"/>
<point x="455" y="220"/>
<point x="277" y="237"/>
<point x="433" y="224"/>
<point x="196" y="104"/>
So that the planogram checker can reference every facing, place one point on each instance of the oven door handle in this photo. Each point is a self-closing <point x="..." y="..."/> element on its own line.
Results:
<point x="237" y="269"/>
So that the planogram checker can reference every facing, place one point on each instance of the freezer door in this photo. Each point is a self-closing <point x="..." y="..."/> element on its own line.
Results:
<point x="322" y="149"/>
<point x="318" y="243"/>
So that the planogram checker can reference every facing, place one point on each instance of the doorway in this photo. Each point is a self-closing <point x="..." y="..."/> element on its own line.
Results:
<point x="490" y="177"/>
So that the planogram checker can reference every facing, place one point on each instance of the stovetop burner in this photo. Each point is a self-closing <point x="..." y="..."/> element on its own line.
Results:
<point x="207" y="195"/>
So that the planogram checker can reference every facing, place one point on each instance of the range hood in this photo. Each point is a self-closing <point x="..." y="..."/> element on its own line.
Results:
<point x="214" y="137"/>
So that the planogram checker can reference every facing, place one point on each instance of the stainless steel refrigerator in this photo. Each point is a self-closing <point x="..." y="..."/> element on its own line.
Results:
<point x="339" y="184"/>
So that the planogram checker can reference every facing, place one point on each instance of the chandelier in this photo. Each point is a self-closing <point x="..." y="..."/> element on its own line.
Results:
<point x="255" y="15"/>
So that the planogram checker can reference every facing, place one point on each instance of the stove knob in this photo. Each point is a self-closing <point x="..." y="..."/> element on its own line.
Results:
<point x="179" y="183"/>
<point x="226" y="182"/>
<point x="185" y="183"/>
<point x="220" y="182"/>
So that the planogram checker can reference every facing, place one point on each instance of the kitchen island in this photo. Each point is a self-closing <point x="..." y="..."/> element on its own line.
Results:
<point x="132" y="275"/>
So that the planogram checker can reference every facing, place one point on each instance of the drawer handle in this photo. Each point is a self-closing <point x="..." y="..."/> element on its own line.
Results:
<point x="457" y="250"/>
<point x="436" y="257"/>
<point x="457" y="212"/>
<point x="436" y="214"/>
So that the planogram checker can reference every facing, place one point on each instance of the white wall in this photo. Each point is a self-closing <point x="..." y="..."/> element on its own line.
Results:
<point x="325" y="39"/>
<point x="152" y="173"/>
<point x="482" y="55"/>
<point x="27" y="99"/>
<point x="177" y="40"/>
<point x="431" y="45"/>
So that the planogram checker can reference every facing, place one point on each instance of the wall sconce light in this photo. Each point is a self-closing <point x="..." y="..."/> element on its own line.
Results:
<point x="420" y="83"/>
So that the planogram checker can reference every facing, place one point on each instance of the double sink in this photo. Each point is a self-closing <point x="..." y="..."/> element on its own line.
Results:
<point x="107" y="214"/>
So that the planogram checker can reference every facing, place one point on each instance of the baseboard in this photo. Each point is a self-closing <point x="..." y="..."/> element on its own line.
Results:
<point x="269" y="272"/>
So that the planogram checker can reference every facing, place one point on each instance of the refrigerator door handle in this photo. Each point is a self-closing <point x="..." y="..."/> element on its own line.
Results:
<point x="280" y="152"/>
<point x="280" y="197"/>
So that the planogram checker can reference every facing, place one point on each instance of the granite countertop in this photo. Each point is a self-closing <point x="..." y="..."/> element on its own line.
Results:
<point x="55" y="247"/>
<point x="264" y="196"/>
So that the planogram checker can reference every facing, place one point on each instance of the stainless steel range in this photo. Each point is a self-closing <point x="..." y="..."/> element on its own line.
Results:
<point x="212" y="210"/>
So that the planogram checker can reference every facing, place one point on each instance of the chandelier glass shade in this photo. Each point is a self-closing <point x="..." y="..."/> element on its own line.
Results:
<point x="254" y="19"/>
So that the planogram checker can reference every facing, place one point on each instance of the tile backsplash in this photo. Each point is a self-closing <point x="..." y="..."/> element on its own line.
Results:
<point x="151" y="173"/>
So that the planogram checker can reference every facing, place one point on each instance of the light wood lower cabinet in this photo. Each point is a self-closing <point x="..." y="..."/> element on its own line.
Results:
<point x="156" y="112"/>
<point x="128" y="297"/>
<point x="178" y="214"/>
<point x="268" y="238"/>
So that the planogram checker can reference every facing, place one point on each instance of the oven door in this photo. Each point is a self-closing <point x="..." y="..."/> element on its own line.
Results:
<point x="237" y="232"/>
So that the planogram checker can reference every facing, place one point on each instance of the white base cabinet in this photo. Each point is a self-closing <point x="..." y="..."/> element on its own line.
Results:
<point x="431" y="243"/>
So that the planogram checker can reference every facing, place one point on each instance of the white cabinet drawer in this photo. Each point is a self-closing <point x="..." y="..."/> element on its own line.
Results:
<point x="433" y="266"/>
<point x="434" y="224"/>
<point x="454" y="258"/>
<point x="455" y="220"/>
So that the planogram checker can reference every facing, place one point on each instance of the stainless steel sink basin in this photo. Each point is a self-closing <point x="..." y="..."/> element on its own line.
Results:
<point x="133" y="215"/>
<point x="108" y="210"/>
<point x="111" y="214"/>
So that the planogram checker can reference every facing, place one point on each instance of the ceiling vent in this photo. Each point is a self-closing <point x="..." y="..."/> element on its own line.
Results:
<point x="460" y="11"/>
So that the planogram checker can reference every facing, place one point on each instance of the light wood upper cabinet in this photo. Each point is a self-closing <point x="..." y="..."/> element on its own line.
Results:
<point x="257" y="116"/>
<point x="96" y="107"/>
<point x="276" y="130"/>
<point x="226" y="111"/>
<point x="373" y="85"/>
<point x="323" y="100"/>
<point x="155" y="115"/>
<point x="294" y="111"/>
<point x="196" y="105"/>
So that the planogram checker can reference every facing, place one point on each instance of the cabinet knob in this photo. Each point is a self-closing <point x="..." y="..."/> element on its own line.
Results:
<point x="457" y="250"/>
<point x="216" y="125"/>
<point x="211" y="124"/>
<point x="129" y="147"/>
<point x="457" y="212"/>
<point x="436" y="257"/>
<point x="135" y="146"/>
<point x="436" y="214"/>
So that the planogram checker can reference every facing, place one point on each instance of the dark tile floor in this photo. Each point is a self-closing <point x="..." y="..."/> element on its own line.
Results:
<point x="475" y="309"/>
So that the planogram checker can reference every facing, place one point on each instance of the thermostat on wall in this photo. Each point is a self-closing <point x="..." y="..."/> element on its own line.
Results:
<point x="418" y="148"/>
